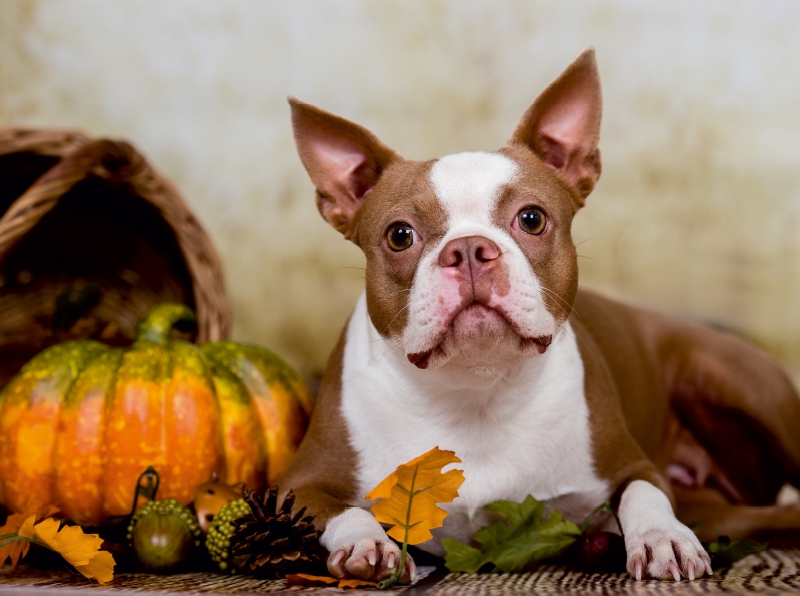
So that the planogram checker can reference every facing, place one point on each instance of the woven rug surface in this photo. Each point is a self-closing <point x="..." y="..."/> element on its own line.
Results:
<point x="771" y="572"/>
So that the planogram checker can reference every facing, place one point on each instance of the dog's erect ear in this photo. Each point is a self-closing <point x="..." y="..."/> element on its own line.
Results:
<point x="343" y="159"/>
<point x="563" y="126"/>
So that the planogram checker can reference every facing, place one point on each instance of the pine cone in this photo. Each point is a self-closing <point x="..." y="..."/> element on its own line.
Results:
<point x="274" y="542"/>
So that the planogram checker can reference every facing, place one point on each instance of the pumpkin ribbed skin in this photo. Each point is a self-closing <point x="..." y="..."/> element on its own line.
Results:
<point x="81" y="420"/>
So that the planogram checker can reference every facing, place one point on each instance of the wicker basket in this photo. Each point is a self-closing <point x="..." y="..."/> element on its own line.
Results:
<point x="90" y="238"/>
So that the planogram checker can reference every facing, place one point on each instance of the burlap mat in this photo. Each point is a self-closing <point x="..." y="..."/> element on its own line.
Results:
<point x="772" y="572"/>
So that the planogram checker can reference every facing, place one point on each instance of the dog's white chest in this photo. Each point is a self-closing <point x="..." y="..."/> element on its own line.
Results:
<point x="521" y="436"/>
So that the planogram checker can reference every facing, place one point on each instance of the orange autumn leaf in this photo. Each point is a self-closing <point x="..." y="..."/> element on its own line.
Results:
<point x="80" y="550"/>
<point x="17" y="550"/>
<point x="304" y="579"/>
<point x="408" y="496"/>
<point x="320" y="581"/>
<point x="100" y="567"/>
<point x="26" y="529"/>
<point x="69" y="541"/>
<point x="13" y="551"/>
<point x="356" y="583"/>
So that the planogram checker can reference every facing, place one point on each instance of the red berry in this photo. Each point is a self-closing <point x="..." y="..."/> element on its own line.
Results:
<point x="602" y="552"/>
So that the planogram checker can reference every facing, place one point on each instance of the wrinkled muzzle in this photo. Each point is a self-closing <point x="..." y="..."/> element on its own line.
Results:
<point x="474" y="296"/>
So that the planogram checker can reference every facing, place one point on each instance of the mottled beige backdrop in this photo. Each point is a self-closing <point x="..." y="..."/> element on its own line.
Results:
<point x="697" y="211"/>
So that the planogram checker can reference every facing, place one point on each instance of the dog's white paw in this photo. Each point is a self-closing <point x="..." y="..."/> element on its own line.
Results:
<point x="666" y="552"/>
<point x="658" y="545"/>
<point x="371" y="560"/>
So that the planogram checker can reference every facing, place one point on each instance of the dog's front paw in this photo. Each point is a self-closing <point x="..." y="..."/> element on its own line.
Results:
<point x="371" y="560"/>
<point x="658" y="545"/>
<point x="669" y="551"/>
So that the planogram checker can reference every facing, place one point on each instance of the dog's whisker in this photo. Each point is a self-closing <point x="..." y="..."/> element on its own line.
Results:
<point x="556" y="296"/>
<point x="571" y="307"/>
<point x="565" y="311"/>
<point x="497" y="343"/>
<point x="436" y="349"/>
<point x="397" y="315"/>
<point x="561" y="326"/>
<point x="467" y="358"/>
<point x="386" y="351"/>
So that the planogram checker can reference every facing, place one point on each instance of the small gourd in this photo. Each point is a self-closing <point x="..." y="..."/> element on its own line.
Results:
<point x="162" y="534"/>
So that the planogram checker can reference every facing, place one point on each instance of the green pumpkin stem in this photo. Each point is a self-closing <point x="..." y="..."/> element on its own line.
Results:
<point x="157" y="322"/>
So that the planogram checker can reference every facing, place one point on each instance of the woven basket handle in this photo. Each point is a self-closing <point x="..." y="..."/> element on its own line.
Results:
<point x="106" y="159"/>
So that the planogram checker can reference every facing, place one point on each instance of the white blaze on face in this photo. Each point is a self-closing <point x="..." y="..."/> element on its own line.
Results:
<point x="468" y="185"/>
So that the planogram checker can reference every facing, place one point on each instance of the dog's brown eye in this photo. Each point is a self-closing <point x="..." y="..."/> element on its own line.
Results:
<point x="400" y="236"/>
<point x="532" y="220"/>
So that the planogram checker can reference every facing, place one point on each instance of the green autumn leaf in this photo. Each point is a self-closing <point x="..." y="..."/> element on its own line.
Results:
<point x="725" y="552"/>
<point x="461" y="557"/>
<point x="516" y="543"/>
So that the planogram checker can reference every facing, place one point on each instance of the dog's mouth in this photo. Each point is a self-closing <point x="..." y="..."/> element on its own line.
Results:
<point x="422" y="359"/>
<point x="477" y="321"/>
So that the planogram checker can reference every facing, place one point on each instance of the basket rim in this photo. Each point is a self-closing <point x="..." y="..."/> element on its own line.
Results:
<point x="118" y="163"/>
<point x="55" y="142"/>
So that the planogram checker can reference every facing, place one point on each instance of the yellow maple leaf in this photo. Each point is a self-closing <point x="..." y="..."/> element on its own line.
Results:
<point x="101" y="567"/>
<point x="408" y="496"/>
<point x="70" y="541"/>
<point x="14" y="551"/>
<point x="80" y="550"/>
<point x="26" y="529"/>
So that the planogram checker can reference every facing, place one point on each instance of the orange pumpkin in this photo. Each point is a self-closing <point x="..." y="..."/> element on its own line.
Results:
<point x="81" y="420"/>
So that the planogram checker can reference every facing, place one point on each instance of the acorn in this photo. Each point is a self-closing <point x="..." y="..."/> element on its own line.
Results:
<point x="162" y="534"/>
<point x="602" y="552"/>
<point x="218" y="539"/>
<point x="211" y="496"/>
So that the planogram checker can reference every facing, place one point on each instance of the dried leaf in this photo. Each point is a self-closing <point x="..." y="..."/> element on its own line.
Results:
<point x="304" y="579"/>
<point x="17" y="550"/>
<point x="69" y="541"/>
<point x="724" y="552"/>
<point x="46" y="511"/>
<point x="26" y="529"/>
<point x="80" y="550"/>
<point x="408" y="496"/>
<point x="521" y="540"/>
<point x="356" y="583"/>
<point x="100" y="567"/>
<point x="13" y="551"/>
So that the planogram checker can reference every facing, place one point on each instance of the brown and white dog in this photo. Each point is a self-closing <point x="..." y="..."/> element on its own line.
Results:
<point x="472" y="335"/>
